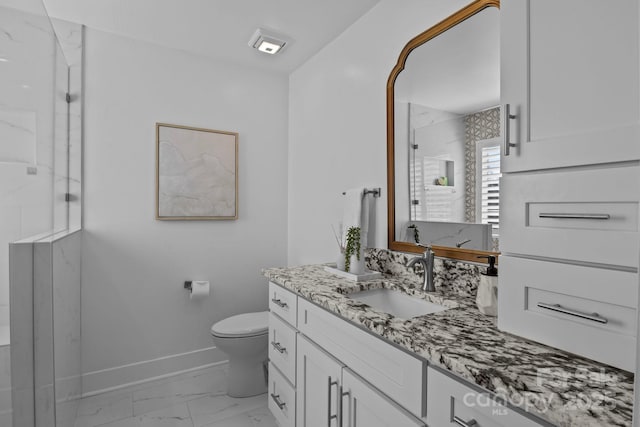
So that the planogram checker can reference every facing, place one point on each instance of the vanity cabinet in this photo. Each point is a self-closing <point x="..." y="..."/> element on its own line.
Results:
<point x="400" y="375"/>
<point x="317" y="363"/>
<point x="330" y="394"/>
<point x="569" y="71"/>
<point x="347" y="377"/>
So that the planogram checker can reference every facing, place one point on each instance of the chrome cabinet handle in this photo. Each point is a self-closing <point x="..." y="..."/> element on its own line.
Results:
<point x="464" y="423"/>
<point x="276" y="398"/>
<point x="279" y="302"/>
<point x="595" y="317"/>
<point x="278" y="347"/>
<point x="506" y="127"/>
<point x="329" y="416"/>
<point x="574" y="216"/>
<point x="355" y="410"/>
<point x="342" y="395"/>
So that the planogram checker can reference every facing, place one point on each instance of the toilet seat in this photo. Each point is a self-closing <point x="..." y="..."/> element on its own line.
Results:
<point x="242" y="325"/>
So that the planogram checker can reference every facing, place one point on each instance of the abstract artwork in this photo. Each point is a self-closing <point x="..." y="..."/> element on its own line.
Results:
<point x="196" y="173"/>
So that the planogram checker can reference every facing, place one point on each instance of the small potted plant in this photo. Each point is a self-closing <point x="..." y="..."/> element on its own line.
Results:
<point x="416" y="233"/>
<point x="352" y="252"/>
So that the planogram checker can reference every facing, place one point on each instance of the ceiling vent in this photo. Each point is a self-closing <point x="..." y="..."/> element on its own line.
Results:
<point x="267" y="41"/>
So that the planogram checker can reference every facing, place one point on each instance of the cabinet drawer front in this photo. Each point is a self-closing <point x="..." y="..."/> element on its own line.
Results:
<point x="570" y="307"/>
<point x="283" y="302"/>
<point x="399" y="375"/>
<point x="586" y="215"/>
<point x="282" y="347"/>
<point x="451" y="402"/>
<point x="282" y="398"/>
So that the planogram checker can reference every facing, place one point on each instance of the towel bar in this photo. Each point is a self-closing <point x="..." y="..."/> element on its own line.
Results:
<point x="375" y="191"/>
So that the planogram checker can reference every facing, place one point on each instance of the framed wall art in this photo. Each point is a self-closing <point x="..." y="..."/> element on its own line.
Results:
<point x="196" y="173"/>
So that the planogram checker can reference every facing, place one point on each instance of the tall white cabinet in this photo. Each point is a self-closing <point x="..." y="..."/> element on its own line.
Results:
<point x="570" y="186"/>
<point x="569" y="71"/>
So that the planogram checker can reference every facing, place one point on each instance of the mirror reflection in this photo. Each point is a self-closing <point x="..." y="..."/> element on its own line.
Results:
<point x="447" y="145"/>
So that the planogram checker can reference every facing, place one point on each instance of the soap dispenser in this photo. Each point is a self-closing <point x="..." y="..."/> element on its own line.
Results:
<point x="487" y="295"/>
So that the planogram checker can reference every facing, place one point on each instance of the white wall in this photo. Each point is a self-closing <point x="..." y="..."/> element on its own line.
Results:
<point x="337" y="122"/>
<point x="134" y="307"/>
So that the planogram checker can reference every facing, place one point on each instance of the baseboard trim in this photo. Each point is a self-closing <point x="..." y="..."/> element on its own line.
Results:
<point x="119" y="377"/>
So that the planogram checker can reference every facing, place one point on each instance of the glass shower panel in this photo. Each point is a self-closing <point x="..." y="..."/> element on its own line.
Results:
<point x="60" y="143"/>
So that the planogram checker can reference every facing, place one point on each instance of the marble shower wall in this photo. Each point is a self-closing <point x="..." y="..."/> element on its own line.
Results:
<point x="66" y="257"/>
<point x="22" y="372"/>
<point x="45" y="332"/>
<point x="459" y="277"/>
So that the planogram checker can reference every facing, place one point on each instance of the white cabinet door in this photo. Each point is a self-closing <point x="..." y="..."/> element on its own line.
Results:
<point x="318" y="386"/>
<point x="364" y="406"/>
<point x="569" y="70"/>
<point x="451" y="403"/>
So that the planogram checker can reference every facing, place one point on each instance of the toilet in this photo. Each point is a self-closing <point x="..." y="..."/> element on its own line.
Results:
<point x="244" y="338"/>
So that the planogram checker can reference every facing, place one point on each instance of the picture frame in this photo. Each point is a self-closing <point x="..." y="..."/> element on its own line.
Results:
<point x="196" y="173"/>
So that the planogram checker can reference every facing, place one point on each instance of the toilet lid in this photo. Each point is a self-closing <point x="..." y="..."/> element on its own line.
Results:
<point x="242" y="325"/>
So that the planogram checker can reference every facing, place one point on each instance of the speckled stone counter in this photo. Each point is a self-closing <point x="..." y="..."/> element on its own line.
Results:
<point x="556" y="386"/>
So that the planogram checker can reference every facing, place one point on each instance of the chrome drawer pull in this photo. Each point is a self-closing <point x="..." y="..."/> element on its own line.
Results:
<point x="560" y="309"/>
<point x="278" y="347"/>
<point x="276" y="398"/>
<point x="279" y="302"/>
<point x="329" y="416"/>
<point x="506" y="127"/>
<point x="464" y="423"/>
<point x="574" y="216"/>
<point x="342" y="395"/>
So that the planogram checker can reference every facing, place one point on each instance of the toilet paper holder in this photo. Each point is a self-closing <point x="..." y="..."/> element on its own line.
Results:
<point x="188" y="284"/>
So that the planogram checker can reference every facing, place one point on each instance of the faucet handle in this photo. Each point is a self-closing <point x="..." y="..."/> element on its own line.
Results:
<point x="428" y="249"/>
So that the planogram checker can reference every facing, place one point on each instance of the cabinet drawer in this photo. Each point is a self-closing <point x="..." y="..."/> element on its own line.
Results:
<point x="584" y="215"/>
<point x="282" y="347"/>
<point x="570" y="307"/>
<point x="284" y="303"/>
<point x="451" y="403"/>
<point x="281" y="398"/>
<point x="391" y="370"/>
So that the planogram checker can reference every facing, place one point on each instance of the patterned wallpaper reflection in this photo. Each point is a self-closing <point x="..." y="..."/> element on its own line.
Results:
<point x="478" y="126"/>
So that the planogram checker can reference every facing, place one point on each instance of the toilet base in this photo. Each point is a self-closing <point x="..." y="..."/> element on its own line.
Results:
<point x="246" y="378"/>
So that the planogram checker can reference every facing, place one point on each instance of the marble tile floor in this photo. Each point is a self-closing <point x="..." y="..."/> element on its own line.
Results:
<point x="196" y="399"/>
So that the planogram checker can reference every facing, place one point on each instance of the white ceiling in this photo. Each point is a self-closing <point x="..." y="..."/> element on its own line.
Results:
<point x="220" y="29"/>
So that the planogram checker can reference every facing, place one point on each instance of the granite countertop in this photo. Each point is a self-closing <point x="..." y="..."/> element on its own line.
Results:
<point x="561" y="388"/>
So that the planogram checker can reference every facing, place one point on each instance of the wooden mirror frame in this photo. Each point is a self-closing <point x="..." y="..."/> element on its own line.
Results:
<point x="393" y="244"/>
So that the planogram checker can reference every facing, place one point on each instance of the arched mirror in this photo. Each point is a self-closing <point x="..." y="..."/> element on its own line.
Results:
<point x="443" y="137"/>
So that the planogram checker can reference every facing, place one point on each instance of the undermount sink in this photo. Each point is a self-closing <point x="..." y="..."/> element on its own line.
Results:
<point x="396" y="303"/>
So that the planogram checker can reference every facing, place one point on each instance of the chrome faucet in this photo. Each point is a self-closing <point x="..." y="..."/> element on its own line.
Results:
<point x="427" y="263"/>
